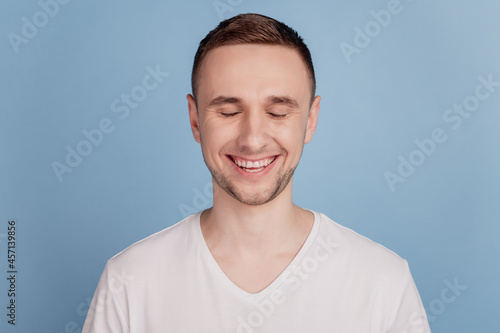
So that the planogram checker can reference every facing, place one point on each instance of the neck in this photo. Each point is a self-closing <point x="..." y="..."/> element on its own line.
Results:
<point x="269" y="228"/>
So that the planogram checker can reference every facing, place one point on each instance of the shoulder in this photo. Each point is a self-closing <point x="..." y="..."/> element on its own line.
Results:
<point x="361" y="255"/>
<point x="166" y="244"/>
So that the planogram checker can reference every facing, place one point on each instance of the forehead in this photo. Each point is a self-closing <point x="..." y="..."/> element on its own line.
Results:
<point x="253" y="71"/>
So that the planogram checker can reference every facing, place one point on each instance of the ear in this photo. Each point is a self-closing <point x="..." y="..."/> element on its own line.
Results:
<point x="193" y="117"/>
<point x="312" y="119"/>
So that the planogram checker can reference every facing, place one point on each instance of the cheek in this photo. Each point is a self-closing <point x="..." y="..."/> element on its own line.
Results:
<point x="214" y="136"/>
<point x="290" y="136"/>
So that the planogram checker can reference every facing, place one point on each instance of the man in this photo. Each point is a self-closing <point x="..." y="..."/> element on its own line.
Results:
<point x="254" y="261"/>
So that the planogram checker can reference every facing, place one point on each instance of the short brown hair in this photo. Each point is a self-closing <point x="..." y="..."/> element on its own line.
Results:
<point x="252" y="29"/>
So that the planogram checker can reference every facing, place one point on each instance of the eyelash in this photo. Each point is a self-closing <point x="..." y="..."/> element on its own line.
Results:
<point x="274" y="115"/>
<point x="229" y="114"/>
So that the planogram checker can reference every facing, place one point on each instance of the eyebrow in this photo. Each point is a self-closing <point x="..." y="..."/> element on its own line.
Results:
<point x="221" y="100"/>
<point x="273" y="99"/>
<point x="285" y="100"/>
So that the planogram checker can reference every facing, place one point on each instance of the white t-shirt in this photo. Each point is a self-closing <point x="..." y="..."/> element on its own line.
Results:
<point x="339" y="281"/>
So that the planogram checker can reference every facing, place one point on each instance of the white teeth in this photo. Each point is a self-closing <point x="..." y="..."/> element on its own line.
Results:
<point x="257" y="164"/>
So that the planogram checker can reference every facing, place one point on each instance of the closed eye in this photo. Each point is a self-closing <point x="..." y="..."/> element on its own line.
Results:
<point x="229" y="114"/>
<point x="277" y="115"/>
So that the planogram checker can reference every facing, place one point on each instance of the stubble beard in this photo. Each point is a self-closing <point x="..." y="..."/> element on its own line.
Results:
<point x="257" y="198"/>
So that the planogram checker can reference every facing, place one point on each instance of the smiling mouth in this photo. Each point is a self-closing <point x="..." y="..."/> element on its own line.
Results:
<point x="252" y="166"/>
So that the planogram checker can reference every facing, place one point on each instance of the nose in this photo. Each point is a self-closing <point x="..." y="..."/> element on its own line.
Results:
<point x="253" y="131"/>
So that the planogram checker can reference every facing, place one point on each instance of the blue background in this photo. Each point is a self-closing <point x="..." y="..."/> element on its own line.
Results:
<point x="148" y="173"/>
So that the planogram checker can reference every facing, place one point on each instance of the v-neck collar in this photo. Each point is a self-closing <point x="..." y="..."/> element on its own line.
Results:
<point x="255" y="297"/>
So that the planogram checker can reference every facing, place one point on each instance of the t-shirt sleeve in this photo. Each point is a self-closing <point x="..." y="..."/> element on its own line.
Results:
<point x="106" y="314"/>
<point x="409" y="315"/>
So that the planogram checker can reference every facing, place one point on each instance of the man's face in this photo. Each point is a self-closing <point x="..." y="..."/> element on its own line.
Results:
<point x="252" y="118"/>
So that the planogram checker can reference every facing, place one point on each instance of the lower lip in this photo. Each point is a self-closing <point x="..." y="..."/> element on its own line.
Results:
<point x="262" y="172"/>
